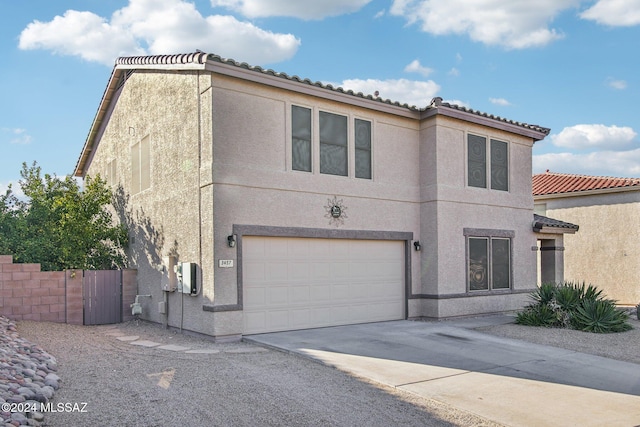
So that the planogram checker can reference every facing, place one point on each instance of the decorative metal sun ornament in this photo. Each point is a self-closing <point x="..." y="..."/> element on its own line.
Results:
<point x="336" y="211"/>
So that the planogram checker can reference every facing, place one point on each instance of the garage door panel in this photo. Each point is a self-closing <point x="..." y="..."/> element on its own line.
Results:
<point x="299" y="270"/>
<point x="320" y="293"/>
<point x="297" y="283"/>
<point x="299" y="295"/>
<point x="255" y="297"/>
<point x="254" y="271"/>
<point x="277" y="296"/>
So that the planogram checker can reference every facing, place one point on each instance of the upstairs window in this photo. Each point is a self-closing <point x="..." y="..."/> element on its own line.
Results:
<point x="111" y="175"/>
<point x="363" y="149"/>
<point x="333" y="144"/>
<point x="140" y="166"/>
<point x="336" y="144"/>
<point x="301" y="138"/>
<point x="478" y="163"/>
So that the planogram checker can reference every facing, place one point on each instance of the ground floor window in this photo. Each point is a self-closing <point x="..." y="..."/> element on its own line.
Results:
<point x="488" y="259"/>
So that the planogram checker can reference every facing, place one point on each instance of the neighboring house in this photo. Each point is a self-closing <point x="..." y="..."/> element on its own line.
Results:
<point x="605" y="251"/>
<point x="303" y="205"/>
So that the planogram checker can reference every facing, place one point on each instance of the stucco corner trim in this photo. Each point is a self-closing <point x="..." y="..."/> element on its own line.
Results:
<point x="472" y="294"/>
<point x="219" y="308"/>
<point x="486" y="232"/>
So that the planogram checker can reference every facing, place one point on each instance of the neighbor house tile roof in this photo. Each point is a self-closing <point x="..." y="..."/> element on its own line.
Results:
<point x="561" y="183"/>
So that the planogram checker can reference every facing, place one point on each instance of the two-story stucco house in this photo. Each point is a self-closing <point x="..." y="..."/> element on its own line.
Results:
<point x="303" y="205"/>
<point x="605" y="251"/>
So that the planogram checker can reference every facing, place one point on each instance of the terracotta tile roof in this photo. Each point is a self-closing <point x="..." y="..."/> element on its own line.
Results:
<point x="560" y="183"/>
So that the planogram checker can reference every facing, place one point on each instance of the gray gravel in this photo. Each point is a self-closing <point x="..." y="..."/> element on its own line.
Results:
<point x="620" y="346"/>
<point x="240" y="385"/>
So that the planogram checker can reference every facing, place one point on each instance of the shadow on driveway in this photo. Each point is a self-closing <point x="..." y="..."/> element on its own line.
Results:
<point x="508" y="381"/>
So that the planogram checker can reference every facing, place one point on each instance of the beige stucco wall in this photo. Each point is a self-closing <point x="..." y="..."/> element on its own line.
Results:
<point x="169" y="217"/>
<point x="456" y="206"/>
<point x="604" y="252"/>
<point x="221" y="157"/>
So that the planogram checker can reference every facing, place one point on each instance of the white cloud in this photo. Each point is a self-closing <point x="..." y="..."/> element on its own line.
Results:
<point x="17" y="136"/>
<point x="82" y="34"/>
<point x="599" y="163"/>
<point x="411" y="92"/>
<point x="507" y="23"/>
<point x="615" y="13"/>
<point x="500" y="101"/>
<point x="454" y="72"/>
<point x="616" y="84"/>
<point x="308" y="10"/>
<point x="15" y="189"/>
<point x="594" y="136"/>
<point x="156" y="27"/>
<point x="380" y="14"/>
<point x="416" y="67"/>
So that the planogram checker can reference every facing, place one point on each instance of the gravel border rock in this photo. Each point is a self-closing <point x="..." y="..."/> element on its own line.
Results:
<point x="27" y="377"/>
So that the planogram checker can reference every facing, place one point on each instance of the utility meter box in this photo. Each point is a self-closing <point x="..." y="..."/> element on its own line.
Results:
<point x="169" y="278"/>
<point x="189" y="285"/>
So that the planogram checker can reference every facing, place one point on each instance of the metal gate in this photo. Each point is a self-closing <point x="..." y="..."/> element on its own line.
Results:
<point x="102" y="294"/>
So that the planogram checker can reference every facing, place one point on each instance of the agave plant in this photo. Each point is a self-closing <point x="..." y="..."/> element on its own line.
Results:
<point x="537" y="315"/>
<point x="600" y="316"/>
<point x="544" y="294"/>
<point x="575" y="305"/>
<point x="568" y="296"/>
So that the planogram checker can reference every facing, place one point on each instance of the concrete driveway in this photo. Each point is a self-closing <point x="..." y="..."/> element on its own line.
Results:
<point x="508" y="381"/>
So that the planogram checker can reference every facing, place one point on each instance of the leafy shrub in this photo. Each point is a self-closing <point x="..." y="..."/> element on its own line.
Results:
<point x="573" y="305"/>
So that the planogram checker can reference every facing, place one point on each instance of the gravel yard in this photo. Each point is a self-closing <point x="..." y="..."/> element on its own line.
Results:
<point x="231" y="384"/>
<point x="243" y="384"/>
<point x="620" y="346"/>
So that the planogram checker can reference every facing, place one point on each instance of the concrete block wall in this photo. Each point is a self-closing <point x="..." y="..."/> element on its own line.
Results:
<point x="26" y="293"/>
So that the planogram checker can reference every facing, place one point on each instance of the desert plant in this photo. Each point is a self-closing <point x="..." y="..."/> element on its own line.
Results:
<point x="568" y="296"/>
<point x="573" y="305"/>
<point x="545" y="293"/>
<point x="600" y="316"/>
<point x="537" y="315"/>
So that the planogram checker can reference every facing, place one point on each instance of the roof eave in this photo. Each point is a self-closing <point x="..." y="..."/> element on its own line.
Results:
<point x="518" y="129"/>
<point x="105" y="102"/>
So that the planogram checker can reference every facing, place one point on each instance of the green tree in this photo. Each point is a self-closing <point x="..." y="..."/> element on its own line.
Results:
<point x="61" y="225"/>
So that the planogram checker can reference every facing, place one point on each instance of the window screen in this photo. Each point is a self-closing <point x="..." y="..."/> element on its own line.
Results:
<point x="135" y="168"/>
<point x="499" y="166"/>
<point x="333" y="144"/>
<point x="145" y="163"/>
<point x="500" y="263"/>
<point x="301" y="138"/>
<point x="477" y="161"/>
<point x="363" y="149"/>
<point x="478" y="263"/>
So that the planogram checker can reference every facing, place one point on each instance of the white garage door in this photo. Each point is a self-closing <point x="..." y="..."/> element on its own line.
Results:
<point x="299" y="283"/>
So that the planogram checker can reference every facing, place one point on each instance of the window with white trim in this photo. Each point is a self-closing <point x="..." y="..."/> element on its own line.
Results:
<point x="487" y="166"/>
<point x="335" y="144"/>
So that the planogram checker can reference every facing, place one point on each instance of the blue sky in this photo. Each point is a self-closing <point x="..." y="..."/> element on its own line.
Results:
<point x="569" y="65"/>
